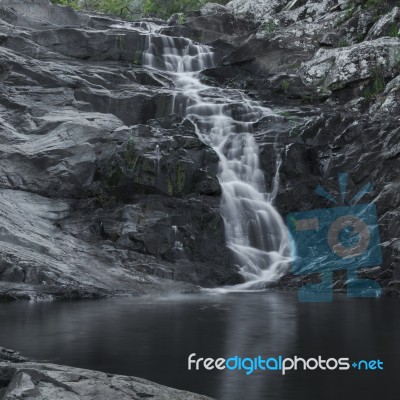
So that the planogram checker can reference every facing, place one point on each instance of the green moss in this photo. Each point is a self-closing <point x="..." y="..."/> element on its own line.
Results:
<point x="170" y="187"/>
<point x="120" y="42"/>
<point x="310" y="98"/>
<point x="138" y="57"/>
<point x="394" y="31"/>
<point x="285" y="85"/>
<point x="295" y="65"/>
<point x="129" y="156"/>
<point x="180" y="178"/>
<point x="176" y="180"/>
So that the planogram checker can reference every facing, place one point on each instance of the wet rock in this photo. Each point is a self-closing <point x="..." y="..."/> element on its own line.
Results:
<point x="102" y="191"/>
<point x="330" y="71"/>
<point x="39" y="381"/>
<point x="11" y="356"/>
<point x="153" y="159"/>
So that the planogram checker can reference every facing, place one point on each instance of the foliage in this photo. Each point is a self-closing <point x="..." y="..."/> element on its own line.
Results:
<point x="394" y="31"/>
<point x="378" y="7"/>
<point x="377" y="84"/>
<point x="270" y="26"/>
<point x="375" y="4"/>
<point x="165" y="8"/>
<point x="359" y="37"/>
<point x="117" y="7"/>
<point x="344" y="42"/>
<point x="135" y="8"/>
<point x="70" y="3"/>
<point x="350" y="11"/>
<point x="285" y="85"/>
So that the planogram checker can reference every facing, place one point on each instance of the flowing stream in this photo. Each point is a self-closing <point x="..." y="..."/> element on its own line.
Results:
<point x="224" y="119"/>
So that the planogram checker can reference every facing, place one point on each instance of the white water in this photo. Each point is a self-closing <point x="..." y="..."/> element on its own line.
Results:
<point x="224" y="119"/>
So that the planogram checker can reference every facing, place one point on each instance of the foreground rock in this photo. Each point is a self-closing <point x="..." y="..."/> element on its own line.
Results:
<point x="22" y="379"/>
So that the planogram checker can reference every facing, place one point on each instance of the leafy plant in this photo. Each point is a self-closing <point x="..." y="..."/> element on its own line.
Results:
<point x="359" y="38"/>
<point x="394" y="31"/>
<point x="376" y="85"/>
<point x="131" y="9"/>
<point x="285" y="85"/>
<point x="349" y="13"/>
<point x="181" y="19"/>
<point x="270" y="26"/>
<point x="117" y="7"/>
<point x="378" y="7"/>
<point x="373" y="3"/>
<point x="344" y="43"/>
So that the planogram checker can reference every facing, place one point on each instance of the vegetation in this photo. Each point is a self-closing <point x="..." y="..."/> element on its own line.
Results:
<point x="375" y="4"/>
<point x="344" y="42"/>
<point x="376" y="85"/>
<point x="285" y="85"/>
<point x="132" y="9"/>
<point x="270" y="26"/>
<point x="359" y="37"/>
<point x="378" y="7"/>
<point x="394" y="30"/>
<point x="350" y="11"/>
<point x="70" y="3"/>
<point x="375" y="7"/>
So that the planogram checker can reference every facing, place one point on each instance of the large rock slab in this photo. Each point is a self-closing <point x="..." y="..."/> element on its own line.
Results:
<point x="29" y="380"/>
<point x="336" y="68"/>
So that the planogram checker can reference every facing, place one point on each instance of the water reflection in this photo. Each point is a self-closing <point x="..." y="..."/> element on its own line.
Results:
<point x="153" y="338"/>
<point x="262" y="330"/>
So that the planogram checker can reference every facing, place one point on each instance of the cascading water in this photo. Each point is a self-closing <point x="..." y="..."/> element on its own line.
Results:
<point x="224" y="119"/>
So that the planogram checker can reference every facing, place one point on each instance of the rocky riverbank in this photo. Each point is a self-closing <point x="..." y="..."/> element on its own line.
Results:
<point x="22" y="379"/>
<point x="98" y="182"/>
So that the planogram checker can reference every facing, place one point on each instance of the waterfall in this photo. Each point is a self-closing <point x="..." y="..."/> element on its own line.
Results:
<point x="224" y="120"/>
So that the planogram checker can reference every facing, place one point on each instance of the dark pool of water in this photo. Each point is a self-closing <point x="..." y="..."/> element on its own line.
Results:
<point x="153" y="338"/>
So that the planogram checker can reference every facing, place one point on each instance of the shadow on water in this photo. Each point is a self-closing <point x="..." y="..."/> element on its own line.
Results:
<point x="153" y="339"/>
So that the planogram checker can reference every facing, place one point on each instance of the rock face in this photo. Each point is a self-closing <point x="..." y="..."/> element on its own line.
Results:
<point x="331" y="70"/>
<point x="22" y="379"/>
<point x="102" y="191"/>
